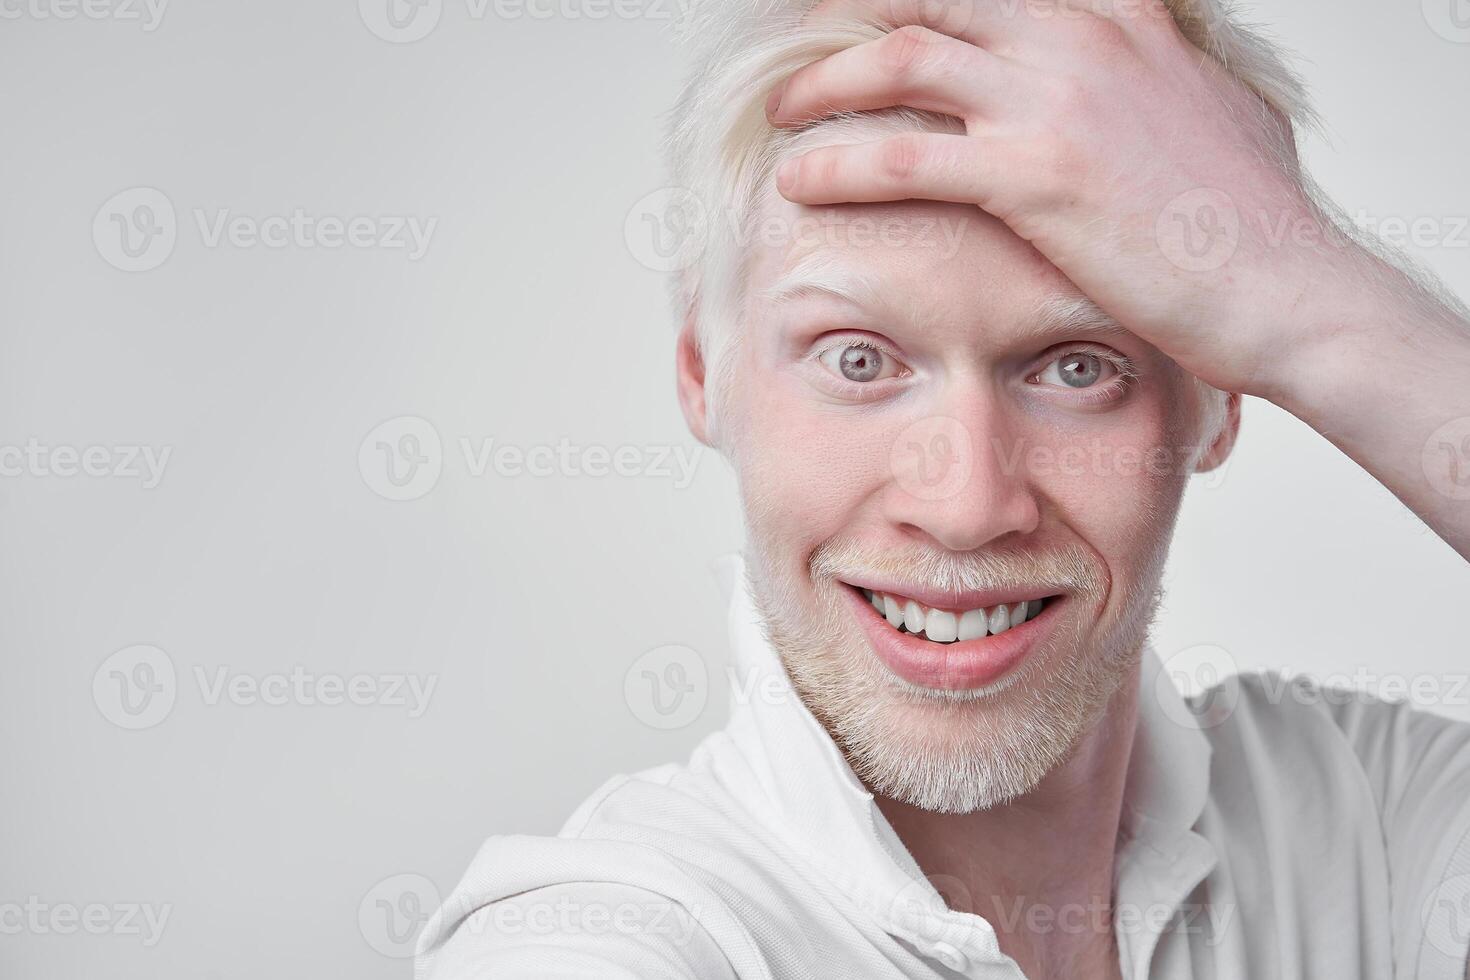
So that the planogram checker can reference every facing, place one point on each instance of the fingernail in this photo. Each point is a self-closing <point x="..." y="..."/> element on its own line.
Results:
<point x="773" y="102"/>
<point x="784" y="175"/>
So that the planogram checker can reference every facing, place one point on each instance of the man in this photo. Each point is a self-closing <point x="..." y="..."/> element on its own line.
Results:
<point x="1012" y="269"/>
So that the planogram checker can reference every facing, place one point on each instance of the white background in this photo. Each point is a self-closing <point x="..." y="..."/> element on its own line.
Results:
<point x="267" y="833"/>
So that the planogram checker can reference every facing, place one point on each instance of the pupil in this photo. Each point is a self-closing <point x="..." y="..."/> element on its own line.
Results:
<point x="1081" y="370"/>
<point x="861" y="364"/>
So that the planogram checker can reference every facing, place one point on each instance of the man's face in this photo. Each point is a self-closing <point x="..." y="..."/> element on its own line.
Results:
<point x="944" y="441"/>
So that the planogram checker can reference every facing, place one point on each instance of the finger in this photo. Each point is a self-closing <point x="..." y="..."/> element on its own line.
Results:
<point x="929" y="166"/>
<point x="1002" y="26"/>
<point x="912" y="66"/>
<point x="964" y="19"/>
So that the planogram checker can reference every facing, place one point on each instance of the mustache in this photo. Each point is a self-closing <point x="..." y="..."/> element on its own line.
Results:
<point x="1068" y="568"/>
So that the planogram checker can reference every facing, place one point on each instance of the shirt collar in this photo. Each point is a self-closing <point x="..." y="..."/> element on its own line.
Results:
<point x="1161" y="858"/>
<point x="807" y="784"/>
<point x="1168" y="780"/>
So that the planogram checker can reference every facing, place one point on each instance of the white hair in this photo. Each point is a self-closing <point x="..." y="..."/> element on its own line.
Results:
<point x="721" y="151"/>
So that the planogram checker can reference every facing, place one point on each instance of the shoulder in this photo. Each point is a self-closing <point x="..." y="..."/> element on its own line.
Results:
<point x="1331" y="779"/>
<point x="1270" y="713"/>
<point x="651" y="864"/>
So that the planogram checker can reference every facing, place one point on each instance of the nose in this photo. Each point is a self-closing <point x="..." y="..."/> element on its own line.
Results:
<point x="958" y="478"/>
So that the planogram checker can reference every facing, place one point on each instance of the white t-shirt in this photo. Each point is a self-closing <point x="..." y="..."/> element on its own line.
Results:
<point x="1270" y="830"/>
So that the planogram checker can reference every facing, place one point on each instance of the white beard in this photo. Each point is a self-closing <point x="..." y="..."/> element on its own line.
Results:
<point x="953" y="751"/>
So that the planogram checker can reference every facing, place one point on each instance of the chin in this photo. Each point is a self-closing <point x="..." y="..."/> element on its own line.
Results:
<point x="952" y="750"/>
<point x="945" y="721"/>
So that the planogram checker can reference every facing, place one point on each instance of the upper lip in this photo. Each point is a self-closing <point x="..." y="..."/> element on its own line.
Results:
<point x="935" y="598"/>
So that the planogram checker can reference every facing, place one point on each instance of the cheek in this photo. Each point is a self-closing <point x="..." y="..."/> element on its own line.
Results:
<point x="805" y="468"/>
<point x="1116" y="480"/>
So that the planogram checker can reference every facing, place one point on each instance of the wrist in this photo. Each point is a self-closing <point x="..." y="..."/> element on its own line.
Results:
<point x="1356" y="329"/>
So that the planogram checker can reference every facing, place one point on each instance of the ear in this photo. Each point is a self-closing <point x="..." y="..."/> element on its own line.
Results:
<point x="1219" y="450"/>
<point x="689" y="367"/>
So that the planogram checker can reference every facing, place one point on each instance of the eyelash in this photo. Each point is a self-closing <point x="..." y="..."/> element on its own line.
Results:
<point x="867" y="388"/>
<point x="1106" y="391"/>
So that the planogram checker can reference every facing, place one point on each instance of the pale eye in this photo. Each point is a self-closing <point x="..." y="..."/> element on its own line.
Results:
<point x="860" y="363"/>
<point x="1078" y="369"/>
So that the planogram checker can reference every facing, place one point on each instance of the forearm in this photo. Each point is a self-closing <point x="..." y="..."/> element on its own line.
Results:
<point x="1384" y="374"/>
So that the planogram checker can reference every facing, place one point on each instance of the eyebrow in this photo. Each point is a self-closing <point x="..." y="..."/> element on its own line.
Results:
<point x="820" y="274"/>
<point x="1070" y="316"/>
<point x="1054" y="319"/>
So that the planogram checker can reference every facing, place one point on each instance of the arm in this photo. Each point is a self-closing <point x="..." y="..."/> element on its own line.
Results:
<point x="1386" y="378"/>
<point x="579" y="931"/>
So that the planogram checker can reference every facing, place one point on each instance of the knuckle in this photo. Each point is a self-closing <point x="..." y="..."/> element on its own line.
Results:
<point x="826" y="167"/>
<point x="1104" y="33"/>
<point x="900" y="158"/>
<point x="906" y="49"/>
<point x="1064" y="169"/>
<point x="1155" y="15"/>
<point x="1069" y="97"/>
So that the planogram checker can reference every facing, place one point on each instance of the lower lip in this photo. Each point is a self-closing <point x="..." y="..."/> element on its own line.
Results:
<point x="962" y="666"/>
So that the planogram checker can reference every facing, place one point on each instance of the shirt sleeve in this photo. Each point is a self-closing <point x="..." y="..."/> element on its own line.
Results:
<point x="1418" y="766"/>
<point x="582" y="931"/>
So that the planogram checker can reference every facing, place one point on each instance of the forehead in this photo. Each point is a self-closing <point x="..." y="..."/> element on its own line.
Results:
<point x="926" y="258"/>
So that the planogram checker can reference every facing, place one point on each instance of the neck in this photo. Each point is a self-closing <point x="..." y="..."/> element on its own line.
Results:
<point x="1039" y="868"/>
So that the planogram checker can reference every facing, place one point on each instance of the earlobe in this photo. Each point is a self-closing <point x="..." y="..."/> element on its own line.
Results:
<point x="689" y="367"/>
<point x="1219" y="450"/>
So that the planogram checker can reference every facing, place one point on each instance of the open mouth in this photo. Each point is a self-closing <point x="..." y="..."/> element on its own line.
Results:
<point x="942" y="626"/>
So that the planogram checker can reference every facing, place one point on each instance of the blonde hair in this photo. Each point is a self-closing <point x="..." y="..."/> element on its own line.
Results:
<point x="721" y="151"/>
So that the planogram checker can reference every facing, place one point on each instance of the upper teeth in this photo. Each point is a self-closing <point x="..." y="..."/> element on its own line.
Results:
<point x="944" y="626"/>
